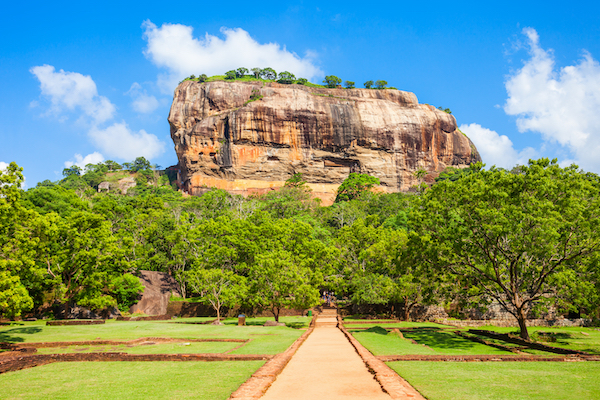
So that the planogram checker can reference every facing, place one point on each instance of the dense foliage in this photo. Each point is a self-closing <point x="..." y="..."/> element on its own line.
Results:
<point x="526" y="238"/>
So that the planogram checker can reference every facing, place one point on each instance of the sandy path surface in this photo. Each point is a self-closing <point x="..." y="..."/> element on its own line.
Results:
<point x="326" y="366"/>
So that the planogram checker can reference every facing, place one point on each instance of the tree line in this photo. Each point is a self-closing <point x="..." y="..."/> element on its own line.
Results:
<point x="525" y="238"/>
<point x="286" y="77"/>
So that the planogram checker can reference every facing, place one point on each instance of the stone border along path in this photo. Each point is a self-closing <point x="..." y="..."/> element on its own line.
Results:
<point x="296" y="384"/>
<point x="260" y="381"/>
<point x="390" y="381"/>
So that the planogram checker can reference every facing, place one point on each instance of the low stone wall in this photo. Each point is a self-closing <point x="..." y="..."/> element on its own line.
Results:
<point x="28" y="361"/>
<point x="76" y="322"/>
<point x="148" y="318"/>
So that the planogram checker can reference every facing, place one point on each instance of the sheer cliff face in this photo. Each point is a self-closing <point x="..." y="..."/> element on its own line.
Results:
<point x="224" y="141"/>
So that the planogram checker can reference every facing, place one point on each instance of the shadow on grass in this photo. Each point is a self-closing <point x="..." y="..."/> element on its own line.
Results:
<point x="439" y="340"/>
<point x="10" y="335"/>
<point x="377" y="329"/>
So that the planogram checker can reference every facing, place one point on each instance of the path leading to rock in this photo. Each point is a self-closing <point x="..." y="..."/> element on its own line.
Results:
<point x="326" y="366"/>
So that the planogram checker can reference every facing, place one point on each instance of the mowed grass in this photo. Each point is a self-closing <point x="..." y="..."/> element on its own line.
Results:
<point x="502" y="380"/>
<point x="265" y="340"/>
<point x="381" y="343"/>
<point x="159" y="348"/>
<point x="128" y="380"/>
<point x="400" y="324"/>
<point x="574" y="338"/>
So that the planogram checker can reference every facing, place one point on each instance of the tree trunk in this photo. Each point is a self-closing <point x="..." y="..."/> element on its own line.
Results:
<point x="218" y="314"/>
<point x="276" y="314"/>
<point x="522" y="324"/>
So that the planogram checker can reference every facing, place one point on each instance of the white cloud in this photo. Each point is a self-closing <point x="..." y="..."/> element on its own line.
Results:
<point x="560" y="103"/>
<point x="496" y="149"/>
<point x="72" y="90"/>
<point x="76" y="92"/>
<point x="119" y="141"/>
<point x="142" y="102"/>
<point x="3" y="165"/>
<point x="81" y="162"/>
<point x="173" y="47"/>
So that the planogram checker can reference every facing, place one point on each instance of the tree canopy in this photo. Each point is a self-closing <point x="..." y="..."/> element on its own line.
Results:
<point x="512" y="236"/>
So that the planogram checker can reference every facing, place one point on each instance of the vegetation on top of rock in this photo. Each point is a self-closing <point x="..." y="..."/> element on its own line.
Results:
<point x="332" y="81"/>
<point x="269" y="75"/>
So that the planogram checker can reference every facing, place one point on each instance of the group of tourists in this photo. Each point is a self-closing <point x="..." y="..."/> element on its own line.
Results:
<point x="328" y="297"/>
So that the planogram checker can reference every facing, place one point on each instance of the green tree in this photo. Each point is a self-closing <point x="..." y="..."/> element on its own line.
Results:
<point x="297" y="181"/>
<point x="217" y="288"/>
<point x="446" y="110"/>
<point x="202" y="78"/>
<point x="380" y="84"/>
<point x="231" y="75"/>
<point x="140" y="164"/>
<point x="367" y="262"/>
<point x="286" y="77"/>
<point x="14" y="297"/>
<point x="302" y="81"/>
<point x="241" y="72"/>
<point x="512" y="236"/>
<point x="279" y="280"/>
<point x="112" y="165"/>
<point x="368" y="84"/>
<point x="256" y="72"/>
<point x="268" y="74"/>
<point x="354" y="185"/>
<point x="349" y="84"/>
<point x="126" y="289"/>
<point x="72" y="170"/>
<point x="332" y="81"/>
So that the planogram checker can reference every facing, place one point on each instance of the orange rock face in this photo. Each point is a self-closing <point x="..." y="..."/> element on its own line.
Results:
<point x="224" y="140"/>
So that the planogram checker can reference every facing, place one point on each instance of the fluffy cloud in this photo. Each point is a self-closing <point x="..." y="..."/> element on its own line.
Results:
<point x="74" y="91"/>
<point x="3" y="165"/>
<point x="560" y="103"/>
<point x="173" y="47"/>
<point x="142" y="102"/>
<point x="68" y="91"/>
<point x="119" y="141"/>
<point x="81" y="162"/>
<point x="496" y="149"/>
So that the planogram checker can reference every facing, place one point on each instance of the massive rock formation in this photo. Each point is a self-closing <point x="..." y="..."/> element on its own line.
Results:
<point x="250" y="137"/>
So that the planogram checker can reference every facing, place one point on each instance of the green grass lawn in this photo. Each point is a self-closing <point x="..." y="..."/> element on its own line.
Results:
<point x="128" y="380"/>
<point x="429" y="342"/>
<point x="575" y="338"/>
<point x="401" y="324"/>
<point x="502" y="380"/>
<point x="159" y="348"/>
<point x="265" y="340"/>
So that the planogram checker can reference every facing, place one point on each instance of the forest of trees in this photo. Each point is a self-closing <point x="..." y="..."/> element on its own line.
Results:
<point x="526" y="238"/>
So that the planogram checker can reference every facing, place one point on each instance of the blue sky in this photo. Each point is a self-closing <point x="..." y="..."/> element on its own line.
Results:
<point x="83" y="81"/>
